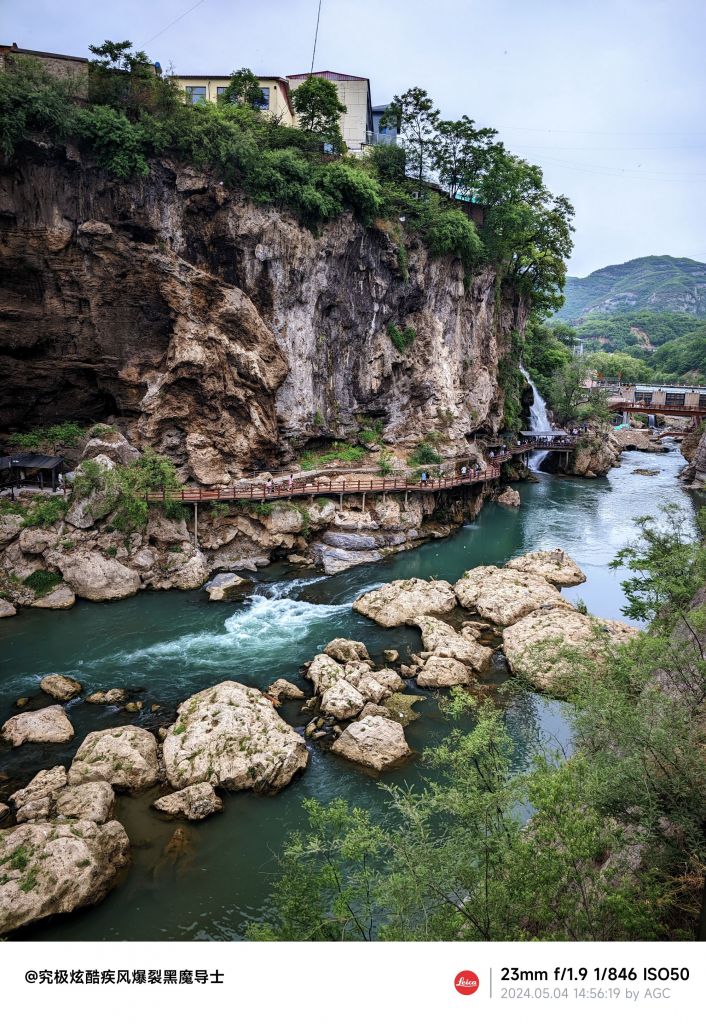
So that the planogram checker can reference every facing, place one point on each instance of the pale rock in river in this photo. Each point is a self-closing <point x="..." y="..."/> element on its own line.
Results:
<point x="282" y="689"/>
<point x="505" y="595"/>
<point x="373" y="741"/>
<point x="90" y="801"/>
<point x="509" y="497"/>
<point x="403" y="601"/>
<point x="6" y="609"/>
<point x="231" y="736"/>
<point x="38" y="798"/>
<point x="444" y="672"/>
<point x="193" y="803"/>
<point x="48" y="725"/>
<point x="555" y="566"/>
<point x="60" y="597"/>
<point x="342" y="700"/>
<point x="344" y="650"/>
<point x="125" y="756"/>
<point x="64" y="866"/>
<point x="114" y="696"/>
<point x="539" y="646"/>
<point x="441" y="639"/>
<point x="94" y="577"/>
<point x="60" y="687"/>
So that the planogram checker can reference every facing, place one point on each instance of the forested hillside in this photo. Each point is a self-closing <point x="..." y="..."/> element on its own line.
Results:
<point x="661" y="283"/>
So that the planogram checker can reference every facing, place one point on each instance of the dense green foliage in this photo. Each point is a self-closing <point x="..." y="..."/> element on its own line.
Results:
<point x="134" y="114"/>
<point x="338" y="452"/>
<point x="607" y="844"/>
<point x="401" y="337"/>
<point x="121" y="492"/>
<point x="660" y="283"/>
<point x="43" y="438"/>
<point x="547" y="349"/>
<point x="318" y="110"/>
<point x="42" y="581"/>
<point x="44" y="511"/>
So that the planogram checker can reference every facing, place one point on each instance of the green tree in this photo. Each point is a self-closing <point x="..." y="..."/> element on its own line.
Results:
<point x="567" y="389"/>
<point x="415" y="117"/>
<point x="462" y="155"/>
<point x="243" y="90"/>
<point x="319" y="109"/>
<point x="126" y="79"/>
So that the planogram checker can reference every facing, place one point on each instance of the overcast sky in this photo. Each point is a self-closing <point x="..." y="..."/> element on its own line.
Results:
<point x="608" y="96"/>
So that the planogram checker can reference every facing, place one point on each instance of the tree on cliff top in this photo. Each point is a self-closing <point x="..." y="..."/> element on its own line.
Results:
<point x="243" y="89"/>
<point x="415" y="117"/>
<point x="319" y="109"/>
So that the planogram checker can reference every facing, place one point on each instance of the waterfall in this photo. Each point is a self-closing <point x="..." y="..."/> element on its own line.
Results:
<point x="651" y="420"/>
<point x="539" y="418"/>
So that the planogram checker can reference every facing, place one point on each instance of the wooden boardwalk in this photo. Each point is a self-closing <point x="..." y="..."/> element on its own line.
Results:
<point x="314" y="487"/>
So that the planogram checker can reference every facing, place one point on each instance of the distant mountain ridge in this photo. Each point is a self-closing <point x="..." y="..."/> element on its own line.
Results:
<point x="664" y="283"/>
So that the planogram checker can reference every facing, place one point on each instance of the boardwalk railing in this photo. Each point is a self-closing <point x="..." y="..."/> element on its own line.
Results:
<point x="298" y="488"/>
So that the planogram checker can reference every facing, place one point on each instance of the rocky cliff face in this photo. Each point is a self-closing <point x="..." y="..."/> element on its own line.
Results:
<point x="223" y="334"/>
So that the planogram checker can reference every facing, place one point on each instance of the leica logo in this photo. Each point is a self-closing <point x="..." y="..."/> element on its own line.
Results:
<point x="466" y="982"/>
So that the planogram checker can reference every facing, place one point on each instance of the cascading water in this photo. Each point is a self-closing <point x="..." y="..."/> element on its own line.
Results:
<point x="651" y="422"/>
<point x="539" y="419"/>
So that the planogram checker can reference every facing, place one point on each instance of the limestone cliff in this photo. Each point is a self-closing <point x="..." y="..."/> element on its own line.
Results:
<point x="224" y="334"/>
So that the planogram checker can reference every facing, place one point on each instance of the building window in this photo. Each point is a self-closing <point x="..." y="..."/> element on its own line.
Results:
<point x="196" y="94"/>
<point x="674" y="400"/>
<point x="702" y="401"/>
<point x="643" y="397"/>
<point x="264" y="103"/>
<point x="220" y="89"/>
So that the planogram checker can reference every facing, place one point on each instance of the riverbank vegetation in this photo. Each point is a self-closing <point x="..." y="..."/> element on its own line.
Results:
<point x="426" y="186"/>
<point x="605" y="841"/>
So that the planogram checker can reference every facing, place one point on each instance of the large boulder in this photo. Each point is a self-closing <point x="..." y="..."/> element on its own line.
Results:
<point x="58" y="598"/>
<point x="185" y="573"/>
<point x="114" y="696"/>
<point x="125" y="756"/>
<point x="231" y="736"/>
<point x="224" y="585"/>
<point x="345" y="651"/>
<point x="555" y="566"/>
<point x="6" y="609"/>
<point x="374" y="741"/>
<point x="48" y="725"/>
<point x="443" y="673"/>
<point x="193" y="803"/>
<point x="442" y="640"/>
<point x="91" y="801"/>
<point x="508" y="497"/>
<point x="282" y="689"/>
<point x="110" y="442"/>
<point x="540" y="645"/>
<point x="403" y="601"/>
<point x="10" y="527"/>
<point x="37" y="800"/>
<point x="91" y="575"/>
<point x="60" y="687"/>
<point x="505" y="595"/>
<point x="55" y="867"/>
<point x="342" y="700"/>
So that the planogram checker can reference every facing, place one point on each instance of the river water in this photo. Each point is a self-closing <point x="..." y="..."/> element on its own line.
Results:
<point x="165" y="646"/>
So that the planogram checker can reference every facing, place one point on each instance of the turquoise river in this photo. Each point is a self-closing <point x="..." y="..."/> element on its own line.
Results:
<point x="165" y="646"/>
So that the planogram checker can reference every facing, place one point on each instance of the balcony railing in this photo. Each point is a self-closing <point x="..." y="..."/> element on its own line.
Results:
<point x="380" y="138"/>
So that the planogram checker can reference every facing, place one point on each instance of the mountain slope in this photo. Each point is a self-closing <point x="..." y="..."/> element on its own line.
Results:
<point x="663" y="283"/>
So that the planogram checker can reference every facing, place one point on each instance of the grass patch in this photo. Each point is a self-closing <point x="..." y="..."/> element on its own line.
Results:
<point x="42" y="581"/>
<point x="401" y="338"/>
<point x="339" y="452"/>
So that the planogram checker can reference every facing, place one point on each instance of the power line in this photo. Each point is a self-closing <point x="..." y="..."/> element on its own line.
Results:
<point x="316" y="37"/>
<point x="581" y="131"/>
<point x="163" y="30"/>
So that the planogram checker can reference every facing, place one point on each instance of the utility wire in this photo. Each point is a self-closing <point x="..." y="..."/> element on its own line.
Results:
<point x="163" y="30"/>
<point x="316" y="37"/>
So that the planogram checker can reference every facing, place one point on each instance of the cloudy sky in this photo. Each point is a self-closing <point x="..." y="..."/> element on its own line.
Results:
<point x="607" y="95"/>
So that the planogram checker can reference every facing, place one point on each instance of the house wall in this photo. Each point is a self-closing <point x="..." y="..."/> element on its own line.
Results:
<point x="278" y="106"/>
<point x="58" y="65"/>
<point x="354" y="93"/>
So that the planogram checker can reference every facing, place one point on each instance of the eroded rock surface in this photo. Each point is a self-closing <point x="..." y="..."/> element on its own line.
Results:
<point x="54" y="867"/>
<point x="505" y="595"/>
<point x="374" y="741"/>
<point x="539" y="646"/>
<point x="48" y="725"/>
<point x="193" y="803"/>
<point x="555" y="566"/>
<point x="60" y="687"/>
<point x="231" y="736"/>
<point x="125" y="756"/>
<point x="403" y="601"/>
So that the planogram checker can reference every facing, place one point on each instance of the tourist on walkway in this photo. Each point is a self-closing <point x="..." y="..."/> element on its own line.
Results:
<point x="291" y="481"/>
<point x="464" y="470"/>
<point x="424" y="478"/>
